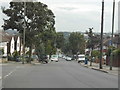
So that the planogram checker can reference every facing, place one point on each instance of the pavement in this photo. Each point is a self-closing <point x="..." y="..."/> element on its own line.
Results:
<point x="105" y="69"/>
<point x="62" y="74"/>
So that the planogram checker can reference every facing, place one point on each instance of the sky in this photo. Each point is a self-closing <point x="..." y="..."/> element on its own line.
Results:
<point x="78" y="15"/>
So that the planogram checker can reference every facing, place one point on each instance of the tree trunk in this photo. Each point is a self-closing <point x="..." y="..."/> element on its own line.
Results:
<point x="30" y="54"/>
<point x="91" y="62"/>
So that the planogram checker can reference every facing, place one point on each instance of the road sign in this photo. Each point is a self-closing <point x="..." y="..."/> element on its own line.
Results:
<point x="110" y="42"/>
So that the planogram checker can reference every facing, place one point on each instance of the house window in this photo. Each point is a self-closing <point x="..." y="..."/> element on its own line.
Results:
<point x="12" y="45"/>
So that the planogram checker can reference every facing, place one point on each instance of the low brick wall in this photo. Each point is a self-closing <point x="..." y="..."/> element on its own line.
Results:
<point x="3" y="60"/>
<point x="116" y="61"/>
<point x="98" y="61"/>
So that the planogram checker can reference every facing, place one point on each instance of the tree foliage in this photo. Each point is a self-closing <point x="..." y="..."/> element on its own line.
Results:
<point x="95" y="53"/>
<point x="1" y="51"/>
<point x="60" y="40"/>
<point x="116" y="52"/>
<point x="66" y="48"/>
<point x="77" y="43"/>
<point x="93" y="39"/>
<point x="110" y="50"/>
<point x="37" y="17"/>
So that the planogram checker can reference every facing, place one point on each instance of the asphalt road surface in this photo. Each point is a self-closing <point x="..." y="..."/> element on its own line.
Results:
<point x="62" y="74"/>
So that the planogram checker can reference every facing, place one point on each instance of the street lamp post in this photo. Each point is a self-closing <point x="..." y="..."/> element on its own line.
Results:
<point x="101" y="44"/>
<point x="112" y="34"/>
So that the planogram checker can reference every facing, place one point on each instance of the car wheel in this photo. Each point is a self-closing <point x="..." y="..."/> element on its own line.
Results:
<point x="78" y="61"/>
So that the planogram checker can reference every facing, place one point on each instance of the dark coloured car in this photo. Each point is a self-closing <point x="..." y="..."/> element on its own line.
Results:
<point x="43" y="58"/>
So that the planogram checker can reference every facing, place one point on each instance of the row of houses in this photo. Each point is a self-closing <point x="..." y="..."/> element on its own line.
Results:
<point x="116" y="44"/>
<point x="106" y="44"/>
<point x="9" y="43"/>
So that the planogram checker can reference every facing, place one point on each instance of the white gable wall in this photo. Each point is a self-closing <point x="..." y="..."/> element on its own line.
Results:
<point x="18" y="44"/>
<point x="5" y="49"/>
<point x="12" y="46"/>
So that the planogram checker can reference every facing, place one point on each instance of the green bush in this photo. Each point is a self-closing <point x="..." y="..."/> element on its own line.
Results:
<point x="116" y="52"/>
<point x="15" y="54"/>
<point x="108" y="53"/>
<point x="95" y="53"/>
<point x="2" y="51"/>
<point x="27" y="53"/>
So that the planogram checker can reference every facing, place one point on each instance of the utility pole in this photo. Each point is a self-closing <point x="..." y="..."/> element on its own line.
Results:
<point x="111" y="59"/>
<point x="24" y="34"/>
<point x="91" y="49"/>
<point x="101" y="43"/>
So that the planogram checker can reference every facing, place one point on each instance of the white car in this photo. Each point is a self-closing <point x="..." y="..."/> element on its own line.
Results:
<point x="54" y="58"/>
<point x="64" y="57"/>
<point x="81" y="58"/>
<point x="68" y="58"/>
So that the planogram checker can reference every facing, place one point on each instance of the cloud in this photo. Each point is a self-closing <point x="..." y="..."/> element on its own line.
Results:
<point x="67" y="8"/>
<point x="79" y="14"/>
<point x="75" y="22"/>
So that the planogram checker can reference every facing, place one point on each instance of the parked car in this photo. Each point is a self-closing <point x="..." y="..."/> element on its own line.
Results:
<point x="68" y="58"/>
<point x="43" y="58"/>
<point x="34" y="57"/>
<point x="64" y="57"/>
<point x="81" y="58"/>
<point x="73" y="57"/>
<point x="54" y="58"/>
<point x="18" y="59"/>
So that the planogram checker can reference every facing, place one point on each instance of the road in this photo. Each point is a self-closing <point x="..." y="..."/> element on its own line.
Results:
<point x="62" y="74"/>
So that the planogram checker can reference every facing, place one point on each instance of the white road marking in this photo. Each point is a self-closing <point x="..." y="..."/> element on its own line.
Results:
<point x="11" y="72"/>
<point x="8" y="74"/>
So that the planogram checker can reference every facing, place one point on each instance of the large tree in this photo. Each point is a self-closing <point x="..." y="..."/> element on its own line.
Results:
<point x="77" y="43"/>
<point x="93" y="40"/>
<point x="48" y="38"/>
<point x="66" y="48"/>
<point x="37" y="17"/>
<point x="60" y="40"/>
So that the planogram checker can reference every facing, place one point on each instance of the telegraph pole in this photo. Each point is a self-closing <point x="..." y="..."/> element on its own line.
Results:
<point x="101" y="43"/>
<point x="24" y="34"/>
<point x="111" y="59"/>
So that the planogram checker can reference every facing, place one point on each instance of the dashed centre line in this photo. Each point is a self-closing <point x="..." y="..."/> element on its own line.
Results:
<point x="10" y="73"/>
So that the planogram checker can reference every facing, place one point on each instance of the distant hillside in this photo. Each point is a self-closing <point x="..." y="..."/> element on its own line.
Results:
<point x="66" y="35"/>
<point x="11" y="32"/>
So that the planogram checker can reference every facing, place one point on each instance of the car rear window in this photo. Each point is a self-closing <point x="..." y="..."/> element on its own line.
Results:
<point x="81" y="56"/>
<point x="54" y="56"/>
